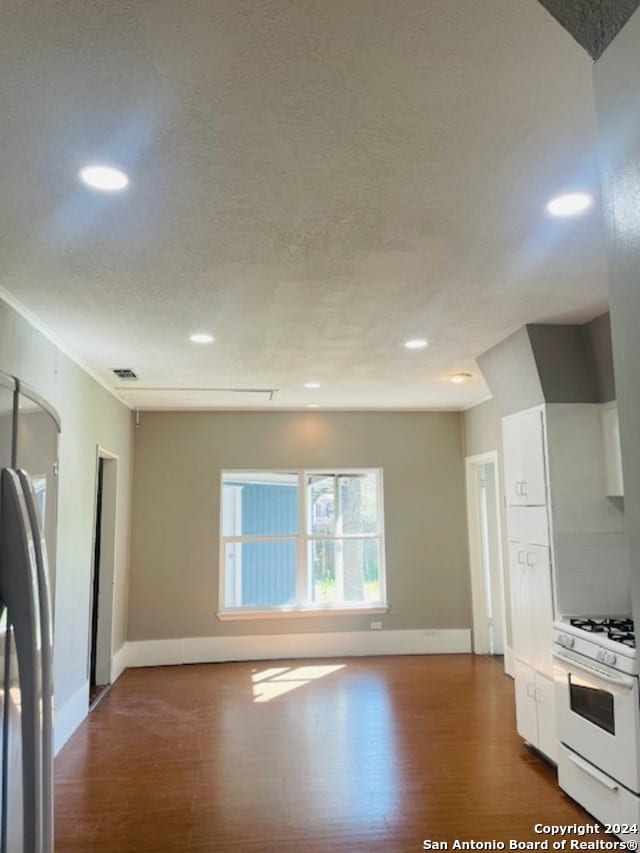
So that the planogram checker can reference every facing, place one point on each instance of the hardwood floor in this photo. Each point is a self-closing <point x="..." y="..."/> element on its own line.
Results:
<point x="360" y="754"/>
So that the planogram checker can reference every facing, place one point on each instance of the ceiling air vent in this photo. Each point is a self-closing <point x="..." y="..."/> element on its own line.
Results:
<point x="124" y="373"/>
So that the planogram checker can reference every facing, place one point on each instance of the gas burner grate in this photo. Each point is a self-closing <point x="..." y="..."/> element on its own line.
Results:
<point x="620" y="630"/>
<point x="626" y="638"/>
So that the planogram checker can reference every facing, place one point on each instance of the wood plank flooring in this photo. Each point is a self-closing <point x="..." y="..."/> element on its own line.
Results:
<point x="360" y="754"/>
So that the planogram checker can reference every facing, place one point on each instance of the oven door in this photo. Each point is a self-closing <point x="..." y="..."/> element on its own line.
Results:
<point x="598" y="716"/>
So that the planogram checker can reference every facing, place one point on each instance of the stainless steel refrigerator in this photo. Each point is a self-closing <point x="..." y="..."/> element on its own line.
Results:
<point x="29" y="431"/>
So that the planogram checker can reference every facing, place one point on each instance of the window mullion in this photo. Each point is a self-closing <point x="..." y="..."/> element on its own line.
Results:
<point x="302" y="551"/>
<point x="380" y="526"/>
<point x="337" y="532"/>
<point x="286" y="537"/>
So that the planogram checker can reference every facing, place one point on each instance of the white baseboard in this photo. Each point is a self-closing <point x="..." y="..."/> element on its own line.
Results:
<point x="509" y="668"/>
<point x="69" y="716"/>
<point x="118" y="663"/>
<point x="279" y="646"/>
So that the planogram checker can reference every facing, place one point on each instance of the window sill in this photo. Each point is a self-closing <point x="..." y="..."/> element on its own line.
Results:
<point x="294" y="612"/>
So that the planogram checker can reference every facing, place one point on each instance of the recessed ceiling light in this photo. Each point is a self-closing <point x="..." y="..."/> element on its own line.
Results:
<point x="416" y="343"/>
<point x="201" y="338"/>
<point x="311" y="384"/>
<point x="105" y="178"/>
<point x="457" y="378"/>
<point x="570" y="204"/>
<point x="312" y="406"/>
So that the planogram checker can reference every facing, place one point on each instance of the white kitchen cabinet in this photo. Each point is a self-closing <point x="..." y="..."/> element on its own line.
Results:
<point x="528" y="524"/>
<point x="527" y="494"/>
<point x="541" y="603"/>
<point x="612" y="454"/>
<point x="531" y="605"/>
<point x="535" y="709"/>
<point x="546" y="716"/>
<point x="526" y="713"/>
<point x="513" y="466"/>
<point x="524" y="458"/>
<point x="523" y="642"/>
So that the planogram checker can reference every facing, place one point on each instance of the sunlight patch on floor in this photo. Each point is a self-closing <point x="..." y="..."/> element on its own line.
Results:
<point x="270" y="683"/>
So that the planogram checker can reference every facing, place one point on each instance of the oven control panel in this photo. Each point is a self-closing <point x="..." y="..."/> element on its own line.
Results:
<point x="608" y="641"/>
<point x="606" y="657"/>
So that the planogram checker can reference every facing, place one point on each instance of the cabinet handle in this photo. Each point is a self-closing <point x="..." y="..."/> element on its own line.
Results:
<point x="517" y="487"/>
<point x="530" y="691"/>
<point x="530" y="560"/>
<point x="524" y="488"/>
<point x="536" y="695"/>
<point x="521" y="557"/>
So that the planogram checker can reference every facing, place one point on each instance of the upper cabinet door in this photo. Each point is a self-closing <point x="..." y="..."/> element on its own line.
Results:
<point x="533" y="464"/>
<point x="513" y="466"/>
<point x="524" y="465"/>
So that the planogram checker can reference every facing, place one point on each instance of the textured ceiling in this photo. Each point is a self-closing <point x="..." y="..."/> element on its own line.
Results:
<point x="592" y="23"/>
<point x="313" y="182"/>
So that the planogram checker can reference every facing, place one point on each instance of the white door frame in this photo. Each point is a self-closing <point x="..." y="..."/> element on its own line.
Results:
<point x="480" y="633"/>
<point x="104" y="651"/>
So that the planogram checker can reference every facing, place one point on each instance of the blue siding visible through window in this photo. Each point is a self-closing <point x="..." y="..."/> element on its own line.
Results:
<point x="268" y="574"/>
<point x="269" y="510"/>
<point x="269" y="568"/>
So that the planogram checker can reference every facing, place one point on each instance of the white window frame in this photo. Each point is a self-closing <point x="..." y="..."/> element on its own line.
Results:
<point x="304" y="607"/>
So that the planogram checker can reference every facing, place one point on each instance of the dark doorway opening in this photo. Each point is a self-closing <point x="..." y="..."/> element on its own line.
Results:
<point x="95" y="689"/>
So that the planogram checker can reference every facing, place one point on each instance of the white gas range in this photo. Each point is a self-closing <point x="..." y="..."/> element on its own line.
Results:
<point x="598" y="715"/>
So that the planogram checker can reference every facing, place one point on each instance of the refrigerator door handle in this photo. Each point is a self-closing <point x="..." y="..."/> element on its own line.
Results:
<point x="19" y="586"/>
<point x="46" y="625"/>
<point x="6" y="709"/>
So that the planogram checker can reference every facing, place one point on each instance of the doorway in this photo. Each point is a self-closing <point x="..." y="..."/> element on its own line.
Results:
<point x="101" y="604"/>
<point x="485" y="554"/>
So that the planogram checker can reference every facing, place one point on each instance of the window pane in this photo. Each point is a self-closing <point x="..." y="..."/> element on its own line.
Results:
<point x="259" y="504"/>
<point x="358" y="503"/>
<point x="345" y="571"/>
<point x="371" y="570"/>
<point x="322" y="503"/>
<point x="323" y="572"/>
<point x="260" y="574"/>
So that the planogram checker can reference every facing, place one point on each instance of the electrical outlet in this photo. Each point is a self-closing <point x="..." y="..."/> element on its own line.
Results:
<point x="376" y="626"/>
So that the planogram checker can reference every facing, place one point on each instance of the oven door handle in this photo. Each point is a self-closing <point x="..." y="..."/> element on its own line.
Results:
<point x="614" y="677"/>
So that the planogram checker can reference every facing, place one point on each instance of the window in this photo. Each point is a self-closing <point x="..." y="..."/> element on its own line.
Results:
<point x="295" y="541"/>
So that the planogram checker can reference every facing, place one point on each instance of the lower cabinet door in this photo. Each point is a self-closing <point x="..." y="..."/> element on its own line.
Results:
<point x="545" y="707"/>
<point x="526" y="716"/>
<point x="535" y="710"/>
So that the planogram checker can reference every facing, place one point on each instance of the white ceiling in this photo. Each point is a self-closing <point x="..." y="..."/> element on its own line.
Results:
<point x="313" y="182"/>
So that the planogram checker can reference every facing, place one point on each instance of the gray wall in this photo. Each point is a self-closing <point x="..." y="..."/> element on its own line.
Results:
<point x="509" y="369"/>
<point x="483" y="429"/>
<point x="176" y="504"/>
<point x="90" y="416"/>
<point x="565" y="364"/>
<point x="551" y="363"/>
<point x="617" y="81"/>
<point x="597" y="335"/>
